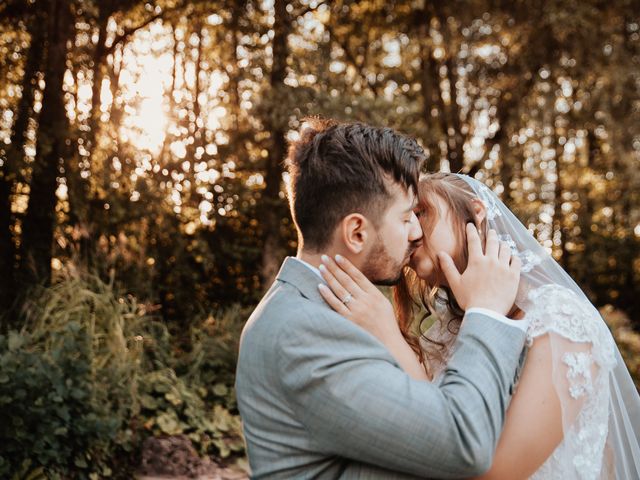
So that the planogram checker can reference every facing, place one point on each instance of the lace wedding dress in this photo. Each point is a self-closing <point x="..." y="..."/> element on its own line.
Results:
<point x="599" y="402"/>
<point x="586" y="350"/>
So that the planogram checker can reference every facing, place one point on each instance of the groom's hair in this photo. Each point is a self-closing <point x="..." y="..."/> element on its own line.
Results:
<point x="340" y="168"/>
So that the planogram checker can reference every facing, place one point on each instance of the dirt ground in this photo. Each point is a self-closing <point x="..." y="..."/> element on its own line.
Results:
<point x="216" y="473"/>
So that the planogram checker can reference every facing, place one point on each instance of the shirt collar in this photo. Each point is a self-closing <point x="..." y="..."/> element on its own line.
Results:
<point x="308" y="265"/>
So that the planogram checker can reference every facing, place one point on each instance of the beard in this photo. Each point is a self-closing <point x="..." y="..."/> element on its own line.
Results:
<point x="381" y="268"/>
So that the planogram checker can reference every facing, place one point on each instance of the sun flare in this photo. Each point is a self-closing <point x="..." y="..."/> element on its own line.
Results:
<point x="146" y="128"/>
<point x="145" y="80"/>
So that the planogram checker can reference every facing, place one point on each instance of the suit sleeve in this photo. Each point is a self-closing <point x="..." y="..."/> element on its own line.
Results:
<point x="357" y="403"/>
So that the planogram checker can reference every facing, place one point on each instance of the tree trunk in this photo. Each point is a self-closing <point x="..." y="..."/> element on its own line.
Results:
<point x="452" y="128"/>
<point x="234" y="77"/>
<point x="81" y="213"/>
<point x="97" y="76"/>
<point x="39" y="221"/>
<point x="277" y="128"/>
<point x="427" y="90"/>
<point x="558" y="215"/>
<point x="12" y="163"/>
<point x="239" y="129"/>
<point x="196" y="126"/>
<point x="587" y="204"/>
<point x="506" y="172"/>
<point x="7" y="250"/>
<point x="168" y="137"/>
<point x="455" y="136"/>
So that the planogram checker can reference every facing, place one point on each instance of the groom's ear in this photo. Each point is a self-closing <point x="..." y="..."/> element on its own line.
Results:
<point x="354" y="232"/>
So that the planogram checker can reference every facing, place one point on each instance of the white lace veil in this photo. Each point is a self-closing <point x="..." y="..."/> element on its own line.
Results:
<point x="580" y="324"/>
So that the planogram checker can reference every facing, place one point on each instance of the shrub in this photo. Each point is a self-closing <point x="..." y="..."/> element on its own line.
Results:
<point x="92" y="375"/>
<point x="49" y="406"/>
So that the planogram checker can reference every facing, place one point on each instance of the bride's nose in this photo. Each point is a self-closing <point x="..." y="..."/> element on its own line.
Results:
<point x="415" y="233"/>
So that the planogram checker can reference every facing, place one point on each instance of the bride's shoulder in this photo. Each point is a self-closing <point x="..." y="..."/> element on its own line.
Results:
<point x="555" y="308"/>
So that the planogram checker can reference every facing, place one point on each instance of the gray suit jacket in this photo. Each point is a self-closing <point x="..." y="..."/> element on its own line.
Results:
<point x="321" y="397"/>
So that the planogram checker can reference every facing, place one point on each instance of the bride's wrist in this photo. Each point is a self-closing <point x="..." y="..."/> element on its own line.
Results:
<point x="390" y="334"/>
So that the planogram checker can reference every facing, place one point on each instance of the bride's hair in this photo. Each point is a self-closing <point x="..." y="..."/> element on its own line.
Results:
<point x="413" y="294"/>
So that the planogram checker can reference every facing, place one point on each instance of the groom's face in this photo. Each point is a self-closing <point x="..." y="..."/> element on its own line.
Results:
<point x="394" y="241"/>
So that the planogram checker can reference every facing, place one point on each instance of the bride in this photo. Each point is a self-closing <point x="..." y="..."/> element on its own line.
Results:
<point x="575" y="413"/>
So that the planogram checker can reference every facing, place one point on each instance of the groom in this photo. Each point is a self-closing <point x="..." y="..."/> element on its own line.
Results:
<point x="322" y="398"/>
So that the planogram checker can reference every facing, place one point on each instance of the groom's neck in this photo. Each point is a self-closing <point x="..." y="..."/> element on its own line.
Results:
<point x="315" y="258"/>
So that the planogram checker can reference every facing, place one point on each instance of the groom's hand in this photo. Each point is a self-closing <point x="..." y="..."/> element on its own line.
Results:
<point x="491" y="278"/>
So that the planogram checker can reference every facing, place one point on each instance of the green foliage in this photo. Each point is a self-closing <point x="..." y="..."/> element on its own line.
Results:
<point x="627" y="339"/>
<point x="90" y="377"/>
<point x="171" y="407"/>
<point x="50" y="407"/>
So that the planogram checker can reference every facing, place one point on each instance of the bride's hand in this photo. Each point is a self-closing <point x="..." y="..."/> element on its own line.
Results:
<point x="354" y="297"/>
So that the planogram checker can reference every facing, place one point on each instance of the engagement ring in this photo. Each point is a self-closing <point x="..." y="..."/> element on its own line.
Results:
<point x="347" y="299"/>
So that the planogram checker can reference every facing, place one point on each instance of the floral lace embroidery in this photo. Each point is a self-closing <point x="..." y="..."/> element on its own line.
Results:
<point x="580" y="454"/>
<point x="489" y="201"/>
<point x="579" y="373"/>
<point x="558" y="309"/>
<point x="528" y="258"/>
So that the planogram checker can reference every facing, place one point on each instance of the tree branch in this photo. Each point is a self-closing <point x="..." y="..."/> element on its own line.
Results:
<point x="352" y="60"/>
<point x="131" y="30"/>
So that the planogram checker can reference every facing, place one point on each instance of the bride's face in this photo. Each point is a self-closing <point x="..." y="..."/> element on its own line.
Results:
<point x="444" y="231"/>
<point x="441" y="238"/>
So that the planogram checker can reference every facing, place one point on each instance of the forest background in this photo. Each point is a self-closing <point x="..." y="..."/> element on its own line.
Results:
<point x="142" y="204"/>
